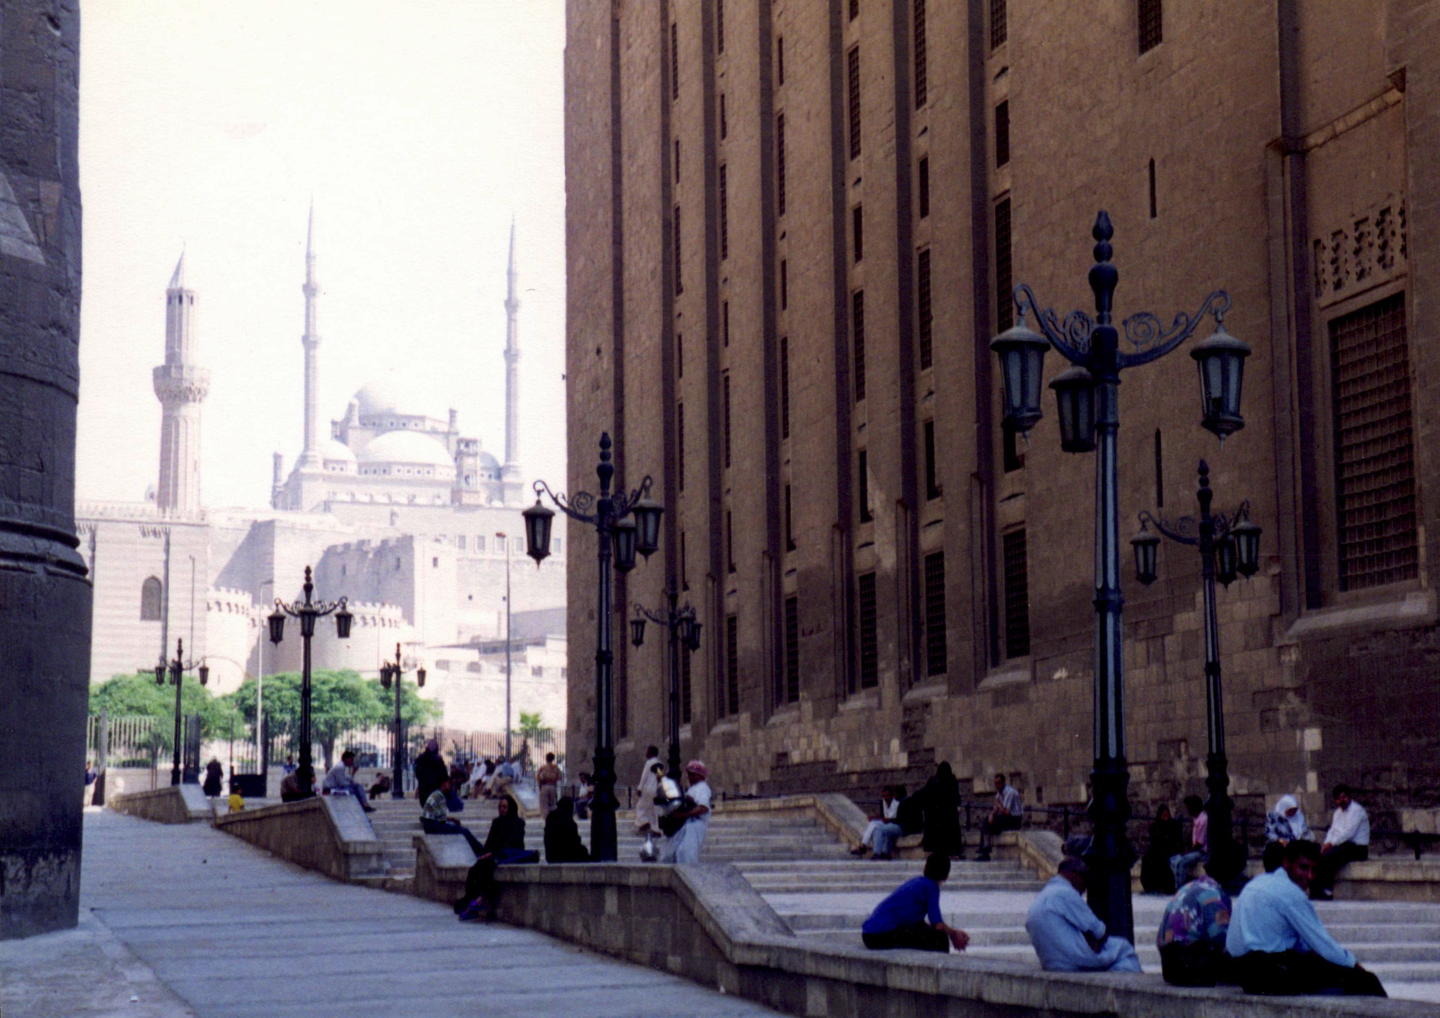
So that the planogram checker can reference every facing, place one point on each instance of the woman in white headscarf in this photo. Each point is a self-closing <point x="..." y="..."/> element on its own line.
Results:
<point x="1286" y="822"/>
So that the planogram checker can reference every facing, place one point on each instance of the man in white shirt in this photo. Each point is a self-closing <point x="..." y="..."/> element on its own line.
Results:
<point x="340" y="779"/>
<point x="1005" y="815"/>
<point x="1347" y="840"/>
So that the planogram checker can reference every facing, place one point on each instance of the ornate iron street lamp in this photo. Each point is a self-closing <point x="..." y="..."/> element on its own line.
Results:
<point x="392" y="671"/>
<point x="1087" y="399"/>
<point x="176" y="669"/>
<point x="1228" y="545"/>
<point x="684" y="632"/>
<point x="632" y="522"/>
<point x="307" y="612"/>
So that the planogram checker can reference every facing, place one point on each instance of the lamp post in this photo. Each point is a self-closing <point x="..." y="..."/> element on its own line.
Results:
<point x="176" y="669"/>
<point x="392" y="671"/>
<point x="307" y="612"/>
<point x="684" y="630"/>
<point x="1087" y="400"/>
<point x="504" y="540"/>
<point x="260" y="746"/>
<point x="1228" y="545"/>
<point x="631" y="522"/>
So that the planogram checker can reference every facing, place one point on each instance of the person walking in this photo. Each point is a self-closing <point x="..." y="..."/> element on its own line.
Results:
<point x="684" y="846"/>
<point x="214" y="778"/>
<point x="429" y="769"/>
<point x="547" y="780"/>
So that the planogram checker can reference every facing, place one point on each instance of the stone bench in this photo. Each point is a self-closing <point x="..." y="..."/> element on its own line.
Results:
<point x="170" y="804"/>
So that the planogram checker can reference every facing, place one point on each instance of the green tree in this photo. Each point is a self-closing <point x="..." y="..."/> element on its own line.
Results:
<point x="339" y="700"/>
<point x="532" y="726"/>
<point x="138" y="694"/>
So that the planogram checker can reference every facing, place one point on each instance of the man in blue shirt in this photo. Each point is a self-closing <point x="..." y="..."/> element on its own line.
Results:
<point x="910" y="916"/>
<point x="1278" y="942"/>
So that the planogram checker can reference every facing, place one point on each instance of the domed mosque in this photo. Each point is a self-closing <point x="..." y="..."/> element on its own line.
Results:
<point x="413" y="522"/>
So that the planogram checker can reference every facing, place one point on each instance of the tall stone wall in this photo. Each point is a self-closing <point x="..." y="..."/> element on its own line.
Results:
<point x="44" y="594"/>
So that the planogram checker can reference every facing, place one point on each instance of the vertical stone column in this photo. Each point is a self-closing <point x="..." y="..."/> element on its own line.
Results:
<point x="44" y="593"/>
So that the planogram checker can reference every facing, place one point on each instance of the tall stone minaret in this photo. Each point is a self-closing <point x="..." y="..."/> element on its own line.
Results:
<point x="511" y="469"/>
<point x="310" y="454"/>
<point x="181" y="386"/>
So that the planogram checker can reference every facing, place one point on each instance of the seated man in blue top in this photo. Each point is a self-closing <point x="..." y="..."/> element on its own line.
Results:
<point x="1066" y="935"/>
<point x="910" y="916"/>
<point x="1278" y="942"/>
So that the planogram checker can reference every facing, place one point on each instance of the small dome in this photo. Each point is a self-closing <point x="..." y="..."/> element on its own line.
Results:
<point x="336" y="451"/>
<point x="484" y="459"/>
<point x="407" y="447"/>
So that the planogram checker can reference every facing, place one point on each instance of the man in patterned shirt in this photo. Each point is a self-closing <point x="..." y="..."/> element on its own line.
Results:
<point x="1192" y="932"/>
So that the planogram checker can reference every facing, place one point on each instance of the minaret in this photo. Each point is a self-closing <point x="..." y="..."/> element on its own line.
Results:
<point x="511" y="468"/>
<point x="310" y="454"/>
<point x="181" y="387"/>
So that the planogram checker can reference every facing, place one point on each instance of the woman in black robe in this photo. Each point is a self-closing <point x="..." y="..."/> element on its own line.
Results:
<point x="941" y="799"/>
<point x="430" y="770"/>
<point x="562" y="836"/>
<point x="1156" y="876"/>
<point x="504" y="844"/>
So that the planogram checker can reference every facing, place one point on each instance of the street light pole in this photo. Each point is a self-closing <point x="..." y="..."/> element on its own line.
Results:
<point x="1087" y="396"/>
<point x="260" y="746"/>
<point x="611" y="519"/>
<point x="504" y="540"/>
<point x="684" y="631"/>
<point x="307" y="612"/>
<point x="393" y="672"/>
<point x="176" y="669"/>
<point x="1228" y="545"/>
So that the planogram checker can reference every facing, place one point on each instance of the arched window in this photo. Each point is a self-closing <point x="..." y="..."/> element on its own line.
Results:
<point x="150" y="600"/>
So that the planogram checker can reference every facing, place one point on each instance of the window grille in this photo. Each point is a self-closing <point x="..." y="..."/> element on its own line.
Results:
<point x="921" y="85"/>
<point x="1374" y="446"/>
<point x="935" y="647"/>
<point x="674" y="61"/>
<point x="780" y="170"/>
<point x="852" y="77"/>
<point x="725" y="409"/>
<point x="932" y="479"/>
<point x="999" y="28"/>
<point x="1004" y="299"/>
<point x="924" y="316"/>
<point x="732" y="666"/>
<point x="1017" y="593"/>
<point x="857" y="328"/>
<point x="784" y="387"/>
<point x="923" y="188"/>
<point x="869" y="637"/>
<point x="1150" y="18"/>
<point x="862" y="488"/>
<point x="150" y="600"/>
<point x="1002" y="133"/>
<point x="857" y="231"/>
<point x="791" y="692"/>
<point x="724" y="215"/>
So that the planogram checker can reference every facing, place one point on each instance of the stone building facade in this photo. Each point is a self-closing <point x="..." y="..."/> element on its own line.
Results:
<point x="793" y="229"/>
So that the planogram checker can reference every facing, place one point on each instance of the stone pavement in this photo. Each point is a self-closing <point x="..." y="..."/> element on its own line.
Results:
<point x="185" y="921"/>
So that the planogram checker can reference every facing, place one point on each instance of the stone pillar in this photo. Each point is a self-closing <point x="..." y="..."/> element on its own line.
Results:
<point x="44" y="593"/>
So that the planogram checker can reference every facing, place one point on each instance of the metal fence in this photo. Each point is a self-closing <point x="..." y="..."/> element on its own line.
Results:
<point x="128" y="741"/>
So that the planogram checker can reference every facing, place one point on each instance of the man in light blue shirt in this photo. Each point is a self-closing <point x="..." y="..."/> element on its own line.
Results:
<point x="1066" y="935"/>
<point x="1278" y="942"/>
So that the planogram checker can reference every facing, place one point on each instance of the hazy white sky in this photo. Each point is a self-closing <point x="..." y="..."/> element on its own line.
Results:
<point x="418" y="126"/>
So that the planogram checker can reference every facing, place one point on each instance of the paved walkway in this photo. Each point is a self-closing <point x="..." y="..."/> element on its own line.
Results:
<point x="186" y="921"/>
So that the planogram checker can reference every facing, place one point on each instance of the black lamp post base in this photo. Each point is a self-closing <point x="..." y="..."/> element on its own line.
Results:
<point x="603" y="840"/>
<point x="1227" y="858"/>
<point x="1111" y="855"/>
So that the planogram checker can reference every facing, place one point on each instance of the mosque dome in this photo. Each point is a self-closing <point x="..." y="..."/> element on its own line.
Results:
<point x="411" y="447"/>
<point x="395" y="397"/>
<point x="336" y="453"/>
